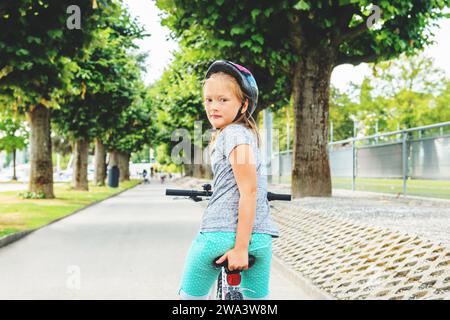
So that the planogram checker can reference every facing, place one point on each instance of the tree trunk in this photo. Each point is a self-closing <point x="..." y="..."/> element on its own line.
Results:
<point x="14" y="177"/>
<point x="188" y="169"/>
<point x="311" y="83"/>
<point x="207" y="172"/>
<point x="127" y="166"/>
<point x="124" y="166"/>
<point x="197" y="160"/>
<point x="80" y="164"/>
<point x="100" y="163"/>
<point x="113" y="158"/>
<point x="41" y="167"/>
<point x="206" y="165"/>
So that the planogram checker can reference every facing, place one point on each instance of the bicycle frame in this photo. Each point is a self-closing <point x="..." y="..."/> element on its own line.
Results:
<point x="228" y="284"/>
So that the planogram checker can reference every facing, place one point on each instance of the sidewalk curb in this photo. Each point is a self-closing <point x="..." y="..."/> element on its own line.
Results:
<point x="6" y="240"/>
<point x="310" y="289"/>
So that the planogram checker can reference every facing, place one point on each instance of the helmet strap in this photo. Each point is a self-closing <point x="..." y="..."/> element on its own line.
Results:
<point x="239" y="112"/>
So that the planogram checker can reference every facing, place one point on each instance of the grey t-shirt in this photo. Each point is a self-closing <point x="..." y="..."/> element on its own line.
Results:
<point x="222" y="213"/>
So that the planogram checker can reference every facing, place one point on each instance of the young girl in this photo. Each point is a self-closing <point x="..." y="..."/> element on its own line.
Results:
<point x="237" y="220"/>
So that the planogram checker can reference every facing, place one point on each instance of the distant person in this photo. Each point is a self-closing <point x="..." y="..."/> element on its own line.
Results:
<point x="163" y="177"/>
<point x="152" y="172"/>
<point x="144" y="175"/>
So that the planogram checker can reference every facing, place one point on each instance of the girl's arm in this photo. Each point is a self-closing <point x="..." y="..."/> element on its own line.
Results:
<point x="244" y="168"/>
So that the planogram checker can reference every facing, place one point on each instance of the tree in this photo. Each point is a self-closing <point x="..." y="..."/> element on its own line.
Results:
<point x="306" y="40"/>
<point x="105" y="88"/>
<point x="132" y="131"/>
<point x="440" y="111"/>
<point x="341" y="111"/>
<point x="13" y="137"/>
<point x="175" y="101"/>
<point x="406" y="88"/>
<point x="402" y="93"/>
<point x="36" y="68"/>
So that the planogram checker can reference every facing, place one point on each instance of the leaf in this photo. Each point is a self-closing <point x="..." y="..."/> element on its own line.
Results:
<point x="255" y="13"/>
<point x="237" y="30"/>
<point x="268" y="11"/>
<point x="258" y="38"/>
<point x="5" y="70"/>
<point x="31" y="39"/>
<point x="302" y="5"/>
<point x="22" y="52"/>
<point x="56" y="34"/>
<point x="246" y="43"/>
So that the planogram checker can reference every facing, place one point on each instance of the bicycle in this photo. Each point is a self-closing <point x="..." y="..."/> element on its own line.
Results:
<point x="227" y="286"/>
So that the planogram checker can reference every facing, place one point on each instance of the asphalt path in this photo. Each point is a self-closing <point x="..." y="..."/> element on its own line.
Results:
<point x="131" y="246"/>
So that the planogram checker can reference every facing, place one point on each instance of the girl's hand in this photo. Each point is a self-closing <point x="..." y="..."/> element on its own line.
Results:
<point x="237" y="259"/>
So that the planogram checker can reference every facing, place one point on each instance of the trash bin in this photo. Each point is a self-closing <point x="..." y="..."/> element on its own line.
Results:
<point x="113" y="176"/>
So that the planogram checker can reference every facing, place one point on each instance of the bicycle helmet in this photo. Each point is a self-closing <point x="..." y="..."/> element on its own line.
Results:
<point x="244" y="78"/>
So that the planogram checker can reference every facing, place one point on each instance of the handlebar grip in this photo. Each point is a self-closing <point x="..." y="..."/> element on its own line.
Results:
<point x="278" y="196"/>
<point x="188" y="193"/>
<point x="177" y="192"/>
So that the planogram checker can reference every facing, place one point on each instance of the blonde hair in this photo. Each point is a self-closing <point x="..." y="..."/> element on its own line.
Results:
<point x="245" y="118"/>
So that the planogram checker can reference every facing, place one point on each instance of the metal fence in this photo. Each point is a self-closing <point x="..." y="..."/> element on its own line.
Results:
<point x="388" y="161"/>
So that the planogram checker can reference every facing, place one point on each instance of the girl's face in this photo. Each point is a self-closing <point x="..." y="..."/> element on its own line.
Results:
<point x="221" y="101"/>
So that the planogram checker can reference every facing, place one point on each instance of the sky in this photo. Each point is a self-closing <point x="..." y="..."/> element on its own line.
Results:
<point x="159" y="46"/>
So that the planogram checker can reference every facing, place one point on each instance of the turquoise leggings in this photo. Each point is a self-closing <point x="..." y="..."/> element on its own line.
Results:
<point x="199" y="274"/>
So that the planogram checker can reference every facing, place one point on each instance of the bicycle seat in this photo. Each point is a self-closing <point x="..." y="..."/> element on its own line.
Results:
<point x="251" y="262"/>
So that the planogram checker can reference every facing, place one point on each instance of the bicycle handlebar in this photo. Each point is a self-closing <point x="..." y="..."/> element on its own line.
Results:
<point x="195" y="195"/>
<point x="188" y="193"/>
<point x="278" y="196"/>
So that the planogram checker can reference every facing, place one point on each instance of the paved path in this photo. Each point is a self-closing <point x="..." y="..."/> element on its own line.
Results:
<point x="128" y="247"/>
<point x="13" y="186"/>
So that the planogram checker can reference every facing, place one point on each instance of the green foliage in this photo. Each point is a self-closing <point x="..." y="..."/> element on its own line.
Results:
<point x="342" y="110"/>
<point x="440" y="110"/>
<point x="406" y="93"/>
<point x="32" y="195"/>
<point x="276" y="39"/>
<point x="142" y="155"/>
<point x="272" y="36"/>
<point x="87" y="76"/>
<point x="133" y="129"/>
<point x="175" y="101"/>
<point x="163" y="154"/>
<point x="13" y="134"/>
<point x="172" y="168"/>
<point x="37" y="50"/>
<point x="107" y="82"/>
<point x="223" y="32"/>
<point x="282" y="122"/>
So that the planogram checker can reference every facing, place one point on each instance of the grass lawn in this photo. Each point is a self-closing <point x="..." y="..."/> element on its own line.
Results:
<point x="422" y="188"/>
<point x="17" y="214"/>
